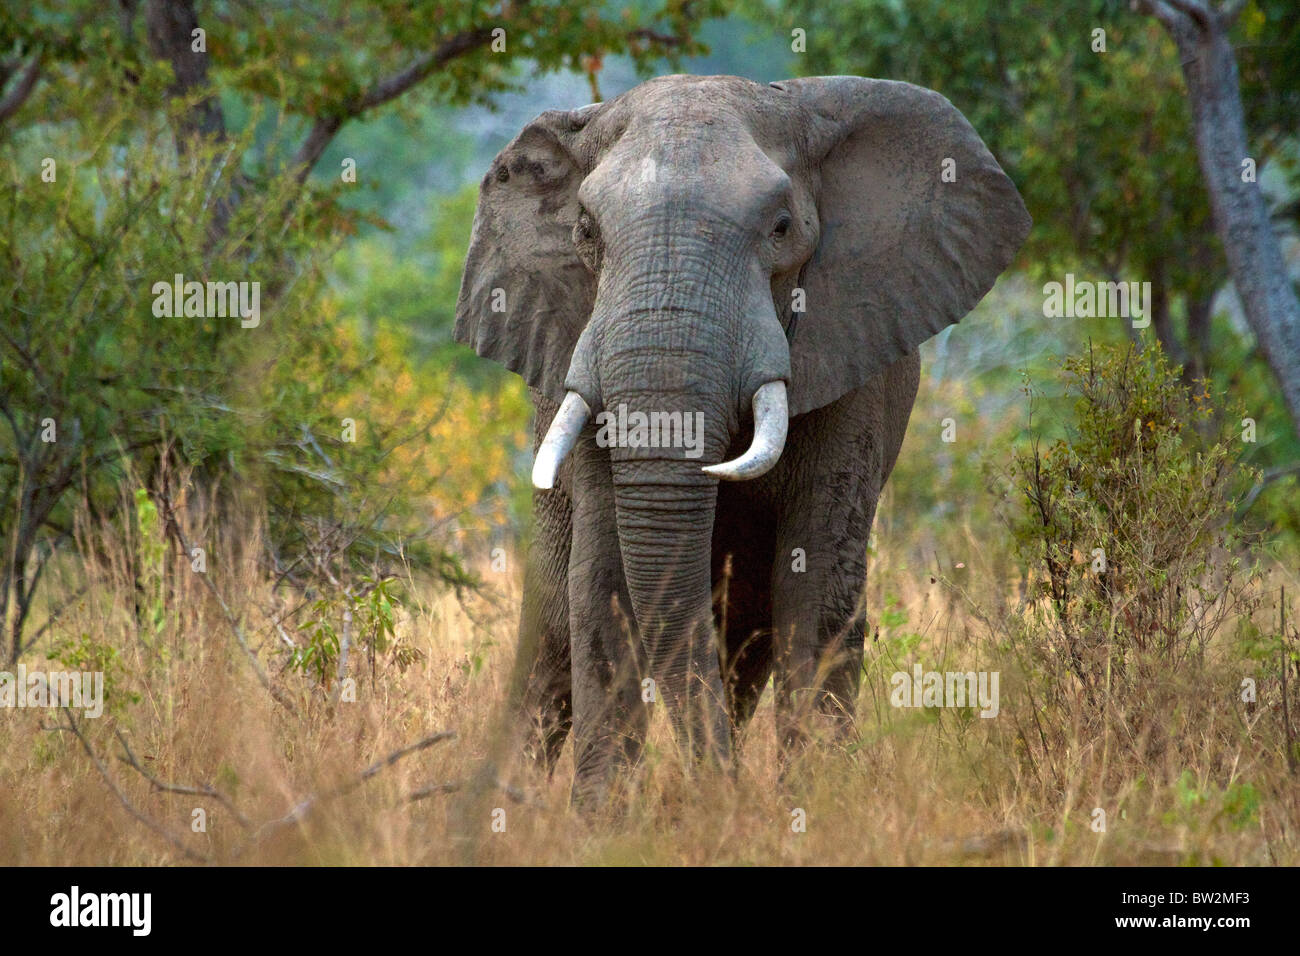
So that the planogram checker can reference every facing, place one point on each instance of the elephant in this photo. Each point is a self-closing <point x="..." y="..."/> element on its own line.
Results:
<point x="751" y="268"/>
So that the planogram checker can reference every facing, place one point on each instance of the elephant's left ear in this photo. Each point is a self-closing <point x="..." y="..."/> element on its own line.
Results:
<point x="917" y="222"/>
<point x="525" y="294"/>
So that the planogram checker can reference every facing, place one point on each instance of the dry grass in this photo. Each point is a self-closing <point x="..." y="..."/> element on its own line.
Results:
<point x="1188" y="774"/>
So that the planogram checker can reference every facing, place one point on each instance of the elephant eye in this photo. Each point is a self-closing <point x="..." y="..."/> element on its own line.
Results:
<point x="782" y="227"/>
<point x="585" y="227"/>
<point x="585" y="241"/>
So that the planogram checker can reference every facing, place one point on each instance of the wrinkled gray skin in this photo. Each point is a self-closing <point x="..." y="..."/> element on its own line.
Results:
<point x="649" y="251"/>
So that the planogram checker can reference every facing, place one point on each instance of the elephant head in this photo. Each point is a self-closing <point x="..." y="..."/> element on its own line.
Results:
<point x="715" y="247"/>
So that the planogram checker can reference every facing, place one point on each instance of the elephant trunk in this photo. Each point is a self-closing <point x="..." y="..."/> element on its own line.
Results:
<point x="665" y="534"/>
<point x="667" y="413"/>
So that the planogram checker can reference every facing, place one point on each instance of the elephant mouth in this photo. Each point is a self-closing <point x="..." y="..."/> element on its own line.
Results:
<point x="685" y="431"/>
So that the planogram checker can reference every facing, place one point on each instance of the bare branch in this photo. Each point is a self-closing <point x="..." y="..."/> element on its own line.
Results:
<point x="16" y="97"/>
<point x="1266" y="479"/>
<point x="397" y="755"/>
<point x="394" y="86"/>
<point x="326" y="126"/>
<point x="53" y="618"/>
<point x="1195" y="9"/>
<point x="433" y="789"/>
<point x="1170" y="17"/>
<point x="277" y="694"/>
<point x="300" y="811"/>
<point x="454" y="786"/>
<point x="671" y="40"/>
<point x="303" y="808"/>
<point x="386" y="90"/>
<point x="1230" y="11"/>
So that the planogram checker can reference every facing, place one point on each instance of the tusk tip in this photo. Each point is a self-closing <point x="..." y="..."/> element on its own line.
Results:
<point x="544" y="469"/>
<point x="565" y="427"/>
<point x="721" y="471"/>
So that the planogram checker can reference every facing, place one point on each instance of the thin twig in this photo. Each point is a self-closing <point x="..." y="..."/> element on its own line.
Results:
<point x="278" y="695"/>
<point x="206" y="790"/>
<point x="305" y="806"/>
<point x="455" y="786"/>
<point x="1266" y="479"/>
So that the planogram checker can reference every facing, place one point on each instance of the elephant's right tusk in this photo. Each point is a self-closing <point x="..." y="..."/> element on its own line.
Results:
<point x="771" y="418"/>
<point x="560" y="439"/>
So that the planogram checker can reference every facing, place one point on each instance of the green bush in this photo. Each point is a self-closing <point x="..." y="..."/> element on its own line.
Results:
<point x="1125" y="523"/>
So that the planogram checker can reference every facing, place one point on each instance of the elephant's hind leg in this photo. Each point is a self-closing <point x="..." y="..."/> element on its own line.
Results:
<point x="742" y="602"/>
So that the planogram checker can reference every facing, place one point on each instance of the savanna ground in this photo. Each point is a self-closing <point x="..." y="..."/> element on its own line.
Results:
<point x="1185" y="770"/>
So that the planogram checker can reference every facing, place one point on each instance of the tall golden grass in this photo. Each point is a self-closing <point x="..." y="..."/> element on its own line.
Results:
<point x="1187" y="774"/>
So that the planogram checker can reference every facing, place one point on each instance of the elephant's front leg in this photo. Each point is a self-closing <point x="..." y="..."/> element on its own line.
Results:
<point x="840" y="458"/>
<point x="609" y="715"/>
<point x="541" y="681"/>
<point x="819" y="622"/>
<point x="819" y="634"/>
<point x="540" y="685"/>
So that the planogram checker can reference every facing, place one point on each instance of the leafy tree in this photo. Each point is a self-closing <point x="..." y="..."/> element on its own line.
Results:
<point x="144" y="140"/>
<point x="1200" y="31"/>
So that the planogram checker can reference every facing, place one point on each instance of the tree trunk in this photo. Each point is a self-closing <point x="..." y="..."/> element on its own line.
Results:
<point x="1240" y="215"/>
<point x="1161" y="318"/>
<point x="169" y="29"/>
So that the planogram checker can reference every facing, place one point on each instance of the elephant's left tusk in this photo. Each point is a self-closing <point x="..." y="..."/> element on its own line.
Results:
<point x="771" y="418"/>
<point x="560" y="439"/>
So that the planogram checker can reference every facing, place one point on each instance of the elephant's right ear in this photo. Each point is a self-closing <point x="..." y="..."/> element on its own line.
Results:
<point x="917" y="222"/>
<point x="525" y="294"/>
